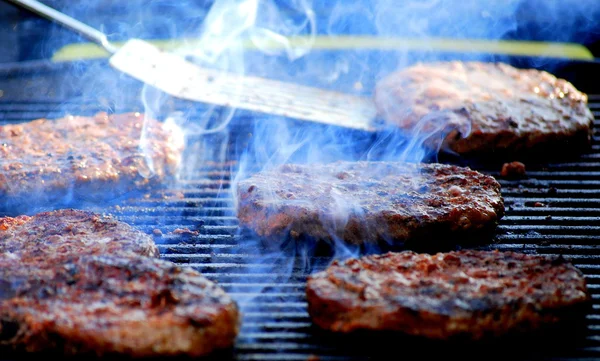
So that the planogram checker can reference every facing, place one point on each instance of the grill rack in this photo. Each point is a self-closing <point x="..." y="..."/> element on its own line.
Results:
<point x="270" y="288"/>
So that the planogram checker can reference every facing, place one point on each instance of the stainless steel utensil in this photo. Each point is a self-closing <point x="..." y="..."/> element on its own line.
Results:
<point x="180" y="78"/>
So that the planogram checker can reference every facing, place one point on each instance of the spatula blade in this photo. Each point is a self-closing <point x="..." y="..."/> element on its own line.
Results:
<point x="182" y="79"/>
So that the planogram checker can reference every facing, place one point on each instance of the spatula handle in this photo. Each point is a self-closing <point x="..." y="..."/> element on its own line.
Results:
<point x="66" y="21"/>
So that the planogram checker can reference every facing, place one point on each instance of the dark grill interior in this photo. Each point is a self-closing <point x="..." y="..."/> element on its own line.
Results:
<point x="553" y="211"/>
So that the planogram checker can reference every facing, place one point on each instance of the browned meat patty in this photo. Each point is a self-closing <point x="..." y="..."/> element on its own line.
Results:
<point x="363" y="202"/>
<point x="465" y="294"/>
<point x="84" y="158"/>
<point x="102" y="305"/>
<point x="475" y="107"/>
<point x="50" y="238"/>
<point x="513" y="169"/>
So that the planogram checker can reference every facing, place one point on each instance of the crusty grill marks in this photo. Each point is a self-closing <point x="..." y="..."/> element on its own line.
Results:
<point x="368" y="201"/>
<point x="94" y="156"/>
<point x="485" y="106"/>
<point x="473" y="276"/>
<point x="136" y="306"/>
<point x="442" y="295"/>
<point x="52" y="237"/>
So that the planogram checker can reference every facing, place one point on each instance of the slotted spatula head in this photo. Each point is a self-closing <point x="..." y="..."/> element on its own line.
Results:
<point x="180" y="78"/>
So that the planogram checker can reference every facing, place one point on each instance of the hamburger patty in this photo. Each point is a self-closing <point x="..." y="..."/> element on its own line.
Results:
<point x="50" y="238"/>
<point x="473" y="107"/>
<point x="101" y="305"/>
<point x="362" y="202"/>
<point x="76" y="282"/>
<point x="84" y="158"/>
<point x="466" y="294"/>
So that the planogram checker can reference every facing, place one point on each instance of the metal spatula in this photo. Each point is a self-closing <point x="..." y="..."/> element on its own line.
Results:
<point x="180" y="78"/>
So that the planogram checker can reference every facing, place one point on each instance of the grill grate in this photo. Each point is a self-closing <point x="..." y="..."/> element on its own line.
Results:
<point x="553" y="211"/>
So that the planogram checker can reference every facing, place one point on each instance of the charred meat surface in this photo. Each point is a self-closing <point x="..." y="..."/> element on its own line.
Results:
<point x="469" y="294"/>
<point x="513" y="169"/>
<point x="363" y="202"/>
<point x="102" y="305"/>
<point x="50" y="238"/>
<point x="84" y="158"/>
<point x="493" y="108"/>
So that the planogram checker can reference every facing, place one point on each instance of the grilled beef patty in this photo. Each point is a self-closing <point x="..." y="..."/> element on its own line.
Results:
<point x="83" y="158"/>
<point x="467" y="294"/>
<point x="101" y="305"/>
<point x="473" y="107"/>
<point x="362" y="202"/>
<point x="76" y="282"/>
<point x="50" y="238"/>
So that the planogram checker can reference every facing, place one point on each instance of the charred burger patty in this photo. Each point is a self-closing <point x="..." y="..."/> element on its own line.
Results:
<point x="363" y="202"/>
<point x="52" y="237"/>
<point x="471" y="294"/>
<point x="76" y="282"/>
<point x="102" y="305"/>
<point x="486" y="107"/>
<point x="84" y="158"/>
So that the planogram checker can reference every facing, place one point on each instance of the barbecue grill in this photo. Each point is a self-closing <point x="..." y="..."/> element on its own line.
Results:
<point x="551" y="211"/>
